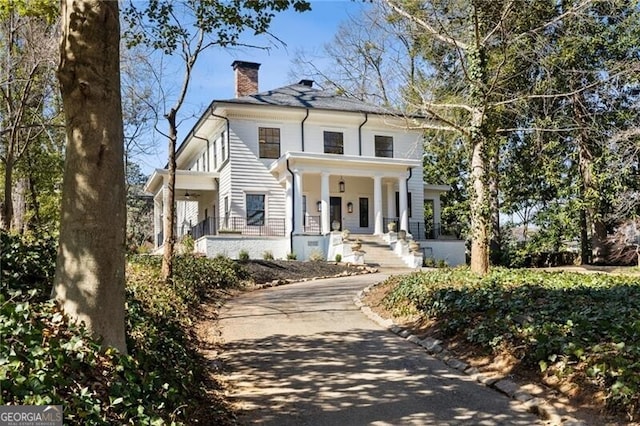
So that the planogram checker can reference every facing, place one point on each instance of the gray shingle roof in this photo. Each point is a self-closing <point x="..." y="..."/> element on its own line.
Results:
<point x="305" y="96"/>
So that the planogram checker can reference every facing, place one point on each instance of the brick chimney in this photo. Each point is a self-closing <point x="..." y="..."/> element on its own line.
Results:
<point x="246" y="77"/>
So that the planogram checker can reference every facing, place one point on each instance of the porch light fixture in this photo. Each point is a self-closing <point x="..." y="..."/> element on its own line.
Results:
<point x="319" y="205"/>
<point x="341" y="185"/>
<point x="349" y="207"/>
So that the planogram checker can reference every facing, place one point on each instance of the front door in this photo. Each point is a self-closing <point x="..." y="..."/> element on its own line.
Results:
<point x="335" y="212"/>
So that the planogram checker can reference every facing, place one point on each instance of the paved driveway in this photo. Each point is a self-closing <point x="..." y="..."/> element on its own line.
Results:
<point x="303" y="354"/>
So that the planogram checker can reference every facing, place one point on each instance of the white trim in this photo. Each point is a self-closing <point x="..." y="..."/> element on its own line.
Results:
<point x="442" y="188"/>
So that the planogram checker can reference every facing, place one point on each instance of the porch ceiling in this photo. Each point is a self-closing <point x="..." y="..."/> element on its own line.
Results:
<point x="346" y="165"/>
<point x="185" y="179"/>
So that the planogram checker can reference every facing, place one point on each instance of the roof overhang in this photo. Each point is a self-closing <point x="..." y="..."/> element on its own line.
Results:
<point x="436" y="188"/>
<point x="342" y="164"/>
<point x="185" y="179"/>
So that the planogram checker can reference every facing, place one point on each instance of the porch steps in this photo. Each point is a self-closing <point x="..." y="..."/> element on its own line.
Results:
<point x="378" y="253"/>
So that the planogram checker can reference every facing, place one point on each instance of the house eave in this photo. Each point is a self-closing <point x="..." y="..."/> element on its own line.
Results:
<point x="185" y="179"/>
<point x="346" y="164"/>
<point x="437" y="188"/>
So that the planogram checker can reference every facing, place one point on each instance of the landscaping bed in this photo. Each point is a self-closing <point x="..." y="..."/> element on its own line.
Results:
<point x="274" y="271"/>
<point x="574" y="333"/>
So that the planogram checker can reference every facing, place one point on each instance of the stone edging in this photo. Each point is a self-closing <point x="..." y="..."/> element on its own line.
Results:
<point x="434" y="347"/>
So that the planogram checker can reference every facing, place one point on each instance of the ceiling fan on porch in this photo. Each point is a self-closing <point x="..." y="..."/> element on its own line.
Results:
<point x="188" y="195"/>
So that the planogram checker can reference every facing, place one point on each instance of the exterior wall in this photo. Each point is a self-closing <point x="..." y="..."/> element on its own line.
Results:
<point x="415" y="186"/>
<point x="231" y="246"/>
<point x="306" y="245"/>
<point x="209" y="202"/>
<point x="451" y="251"/>
<point x="406" y="144"/>
<point x="250" y="174"/>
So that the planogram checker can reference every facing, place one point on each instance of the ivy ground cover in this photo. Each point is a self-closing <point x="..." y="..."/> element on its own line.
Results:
<point x="579" y="327"/>
<point x="46" y="360"/>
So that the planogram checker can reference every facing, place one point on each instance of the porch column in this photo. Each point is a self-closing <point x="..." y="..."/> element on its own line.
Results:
<point x="165" y="209"/>
<point x="436" y="210"/>
<point x="404" y="214"/>
<point x="157" y="219"/>
<point x="288" y="205"/>
<point x="391" y="202"/>
<point x="297" y="202"/>
<point x="324" y="198"/>
<point x="377" y="205"/>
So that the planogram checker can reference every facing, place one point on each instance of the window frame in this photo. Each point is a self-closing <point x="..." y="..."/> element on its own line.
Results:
<point x="378" y="151"/>
<point x="267" y="143"/>
<point x="250" y="215"/>
<point x="223" y="146"/>
<point x="333" y="146"/>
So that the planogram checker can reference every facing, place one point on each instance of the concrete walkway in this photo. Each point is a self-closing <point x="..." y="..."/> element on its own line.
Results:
<point x="304" y="354"/>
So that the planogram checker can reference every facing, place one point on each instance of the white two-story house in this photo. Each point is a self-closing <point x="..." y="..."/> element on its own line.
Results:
<point x="279" y="170"/>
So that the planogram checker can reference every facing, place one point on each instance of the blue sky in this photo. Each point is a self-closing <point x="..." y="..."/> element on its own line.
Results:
<point x="214" y="79"/>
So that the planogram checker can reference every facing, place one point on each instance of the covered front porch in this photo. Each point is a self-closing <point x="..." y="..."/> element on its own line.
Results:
<point x="314" y="195"/>
<point x="362" y="194"/>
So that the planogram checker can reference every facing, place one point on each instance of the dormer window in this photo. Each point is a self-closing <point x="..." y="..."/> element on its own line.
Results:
<point x="269" y="142"/>
<point x="333" y="143"/>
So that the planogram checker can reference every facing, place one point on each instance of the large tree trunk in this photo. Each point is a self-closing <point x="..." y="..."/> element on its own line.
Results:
<point x="169" y="219"/>
<point x="19" y="200"/>
<point x="479" y="223"/>
<point x="478" y="197"/>
<point x="89" y="280"/>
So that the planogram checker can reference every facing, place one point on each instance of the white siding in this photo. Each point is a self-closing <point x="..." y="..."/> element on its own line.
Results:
<point x="249" y="174"/>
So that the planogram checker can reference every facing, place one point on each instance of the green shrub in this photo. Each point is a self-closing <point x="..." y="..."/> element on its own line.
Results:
<point x="291" y="256"/>
<point x="187" y="244"/>
<point x="243" y="255"/>
<point x="429" y="262"/>
<point x="563" y="323"/>
<point x="194" y="276"/>
<point x="316" y="256"/>
<point x="27" y="264"/>
<point x="46" y="360"/>
<point x="267" y="255"/>
<point x="338" y="257"/>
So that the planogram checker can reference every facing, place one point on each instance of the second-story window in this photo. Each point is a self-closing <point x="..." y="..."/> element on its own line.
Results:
<point x="223" y="146"/>
<point x="333" y="143"/>
<point x="384" y="146"/>
<point x="215" y="155"/>
<point x="269" y="141"/>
